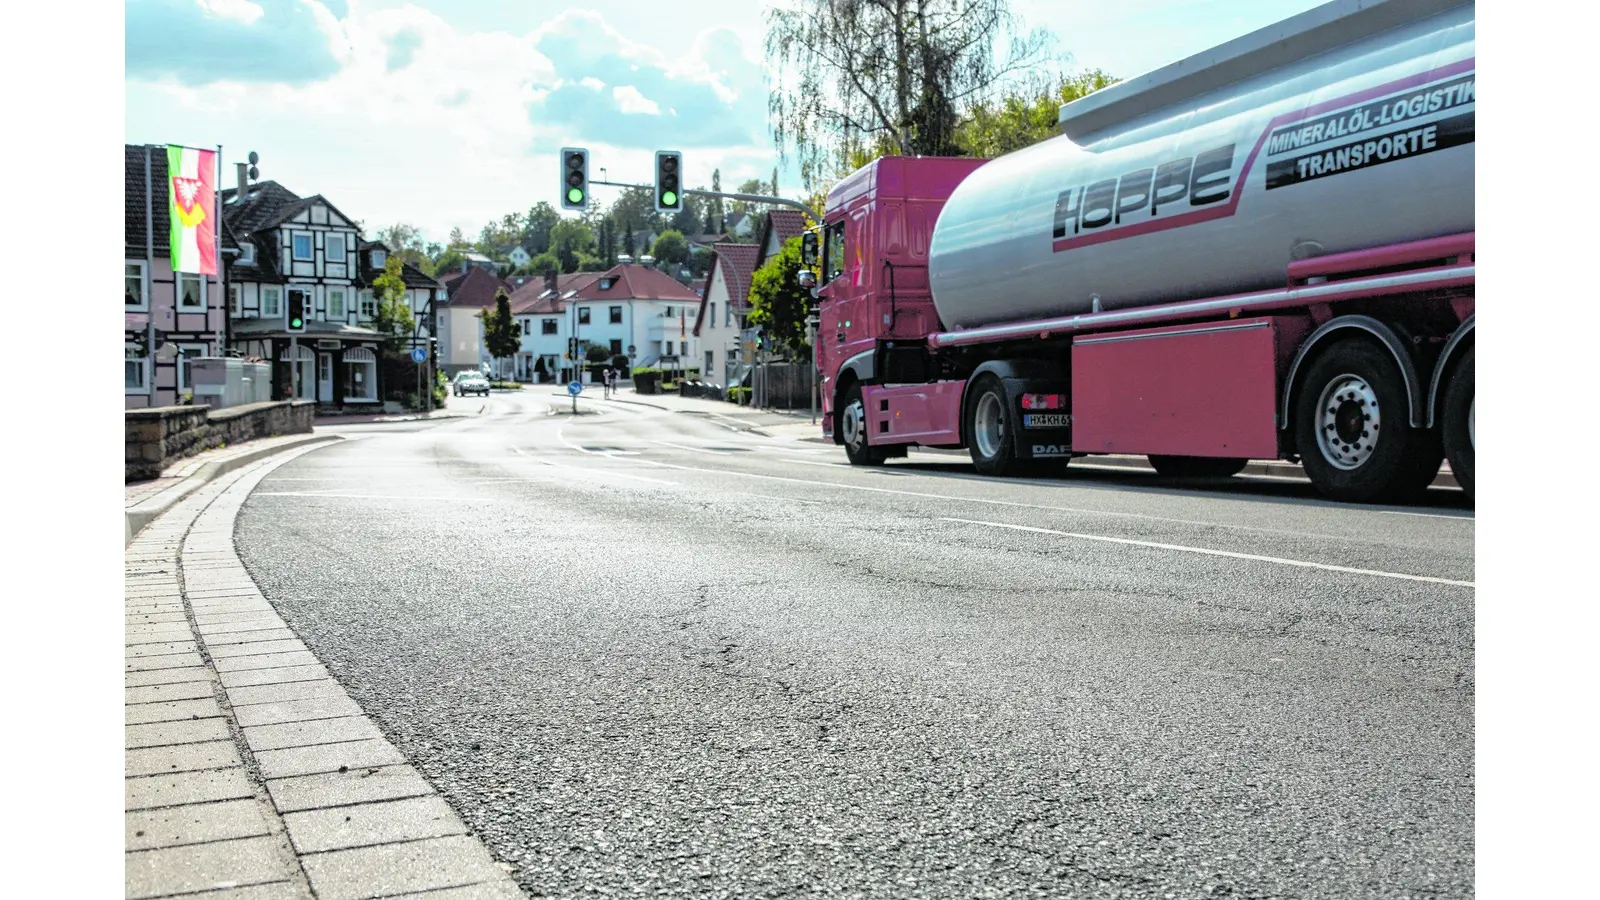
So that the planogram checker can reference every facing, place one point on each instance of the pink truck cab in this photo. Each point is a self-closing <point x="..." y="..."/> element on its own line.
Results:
<point x="1237" y="257"/>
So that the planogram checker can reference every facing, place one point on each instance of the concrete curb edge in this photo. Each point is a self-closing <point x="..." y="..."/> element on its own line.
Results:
<point x="142" y="514"/>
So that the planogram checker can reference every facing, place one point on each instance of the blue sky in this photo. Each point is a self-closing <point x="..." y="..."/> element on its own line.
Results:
<point x="450" y="112"/>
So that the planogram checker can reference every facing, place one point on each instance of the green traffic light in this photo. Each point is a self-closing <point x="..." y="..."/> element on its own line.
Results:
<point x="574" y="195"/>
<point x="668" y="198"/>
<point x="295" y="324"/>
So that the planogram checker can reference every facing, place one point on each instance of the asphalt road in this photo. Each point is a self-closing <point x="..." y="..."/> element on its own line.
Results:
<point x="643" y="654"/>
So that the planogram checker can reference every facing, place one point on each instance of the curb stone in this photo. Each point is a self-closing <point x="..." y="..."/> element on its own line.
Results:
<point x="143" y="513"/>
<point x="318" y="816"/>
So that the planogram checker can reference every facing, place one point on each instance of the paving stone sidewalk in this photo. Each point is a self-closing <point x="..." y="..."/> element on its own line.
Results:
<point x="250" y="773"/>
<point x="175" y="474"/>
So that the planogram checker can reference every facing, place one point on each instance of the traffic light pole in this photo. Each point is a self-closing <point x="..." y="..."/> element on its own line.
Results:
<point x="753" y="198"/>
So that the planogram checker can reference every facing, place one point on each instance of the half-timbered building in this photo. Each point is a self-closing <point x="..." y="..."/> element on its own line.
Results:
<point x="305" y="250"/>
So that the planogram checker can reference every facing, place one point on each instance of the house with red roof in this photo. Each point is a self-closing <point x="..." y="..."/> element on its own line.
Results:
<point x="720" y="322"/>
<point x="465" y="297"/>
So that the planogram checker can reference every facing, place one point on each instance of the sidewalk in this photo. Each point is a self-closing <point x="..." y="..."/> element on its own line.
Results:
<point x="143" y="501"/>
<point x="250" y="773"/>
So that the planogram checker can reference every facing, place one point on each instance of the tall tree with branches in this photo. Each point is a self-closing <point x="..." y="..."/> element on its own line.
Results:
<point x="894" y="73"/>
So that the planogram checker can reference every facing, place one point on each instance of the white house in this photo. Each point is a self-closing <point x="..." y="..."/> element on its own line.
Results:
<point x="720" y="323"/>
<point x="632" y="310"/>
<point x="519" y="257"/>
<point x="466" y="296"/>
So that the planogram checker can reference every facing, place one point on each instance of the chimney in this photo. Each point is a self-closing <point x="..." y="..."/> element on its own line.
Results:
<point x="244" y="185"/>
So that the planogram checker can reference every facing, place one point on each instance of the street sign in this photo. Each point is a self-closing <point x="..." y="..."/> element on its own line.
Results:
<point x="575" y="388"/>
<point x="419" y="355"/>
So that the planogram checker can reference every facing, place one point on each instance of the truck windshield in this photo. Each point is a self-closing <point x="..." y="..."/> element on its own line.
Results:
<point x="833" y="251"/>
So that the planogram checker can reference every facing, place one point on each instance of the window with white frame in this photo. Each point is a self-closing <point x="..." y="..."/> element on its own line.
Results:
<point x="271" y="302"/>
<point x="369" y="305"/>
<point x="616" y="315"/>
<point x="335" y="303"/>
<point x="191" y="293"/>
<point x="334" y="246"/>
<point x="361" y="374"/>
<point x="247" y="253"/>
<point x="135" y="370"/>
<point x="548" y="326"/>
<point x="302" y="248"/>
<point x="187" y="352"/>
<point x="233" y="300"/>
<point x="713" y="317"/>
<point x="379" y="259"/>
<point x="134" y="287"/>
<point x="583" y="315"/>
<point x="727" y="316"/>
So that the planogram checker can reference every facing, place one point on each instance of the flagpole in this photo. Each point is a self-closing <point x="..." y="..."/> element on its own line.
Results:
<point x="150" y="279"/>
<point x="216" y="234"/>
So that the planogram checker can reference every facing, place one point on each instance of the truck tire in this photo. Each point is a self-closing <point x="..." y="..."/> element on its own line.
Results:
<point x="1456" y="423"/>
<point x="853" y="430"/>
<point x="1353" y="432"/>
<point x="990" y="427"/>
<point x="1197" y="466"/>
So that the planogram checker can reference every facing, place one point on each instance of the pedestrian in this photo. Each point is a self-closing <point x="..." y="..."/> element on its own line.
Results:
<point x="605" y="379"/>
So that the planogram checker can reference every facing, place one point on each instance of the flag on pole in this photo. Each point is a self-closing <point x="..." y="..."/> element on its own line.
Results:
<point x="191" y="193"/>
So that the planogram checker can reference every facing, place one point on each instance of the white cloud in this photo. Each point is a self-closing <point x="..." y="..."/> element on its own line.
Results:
<point x="631" y="101"/>
<point x="242" y="11"/>
<point x="467" y="128"/>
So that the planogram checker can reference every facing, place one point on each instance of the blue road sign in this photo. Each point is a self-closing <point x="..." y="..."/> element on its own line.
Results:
<point x="419" y="355"/>
<point x="574" y="388"/>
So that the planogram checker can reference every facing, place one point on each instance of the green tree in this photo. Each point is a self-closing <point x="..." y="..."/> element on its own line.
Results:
<point x="717" y="211"/>
<point x="458" y="241"/>
<point x="394" y="320"/>
<point x="670" y="247"/>
<point x="449" y="261"/>
<point x="596" y="353"/>
<point x="568" y="239"/>
<point x="501" y="333"/>
<point x="544" y="262"/>
<point x="779" y="304"/>
<point x="405" y="241"/>
<point x="536" y="226"/>
<point x="853" y="72"/>
<point x="608" y="242"/>
<point x="627" y="239"/>
<point x="1025" y="117"/>
<point x="588" y="262"/>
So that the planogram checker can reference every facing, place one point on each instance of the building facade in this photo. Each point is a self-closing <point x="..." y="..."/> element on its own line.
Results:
<point x="169" y="318"/>
<point x="303" y="253"/>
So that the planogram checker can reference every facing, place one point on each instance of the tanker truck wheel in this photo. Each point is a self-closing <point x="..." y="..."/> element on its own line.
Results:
<point x="1352" y="430"/>
<point x="990" y="426"/>
<point x="1197" y="466"/>
<point x="853" y="429"/>
<point x="1457" y="425"/>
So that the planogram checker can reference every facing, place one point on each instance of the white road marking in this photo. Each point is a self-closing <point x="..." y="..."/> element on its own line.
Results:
<point x="984" y="500"/>
<point x="1396" y="512"/>
<point x="1206" y="551"/>
<point x="693" y="449"/>
<point x="600" y="472"/>
<point x="316" y="495"/>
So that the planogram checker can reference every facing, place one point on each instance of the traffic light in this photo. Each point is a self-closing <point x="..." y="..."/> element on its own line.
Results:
<point x="761" y="339"/>
<point x="297" y="311"/>
<point x="669" y="190"/>
<point x="574" y="178"/>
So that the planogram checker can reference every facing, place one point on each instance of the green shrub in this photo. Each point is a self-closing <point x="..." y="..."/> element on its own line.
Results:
<point x="738" y="394"/>
<point x="505" y="385"/>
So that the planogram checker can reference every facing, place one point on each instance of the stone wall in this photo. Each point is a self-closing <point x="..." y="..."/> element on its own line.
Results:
<point x="156" y="438"/>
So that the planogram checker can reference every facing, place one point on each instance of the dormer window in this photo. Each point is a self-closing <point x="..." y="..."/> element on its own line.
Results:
<point x="247" y="253"/>
<point x="379" y="259"/>
<point x="605" y="284"/>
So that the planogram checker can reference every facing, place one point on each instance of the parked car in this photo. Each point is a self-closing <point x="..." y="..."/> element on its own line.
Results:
<point x="471" y="383"/>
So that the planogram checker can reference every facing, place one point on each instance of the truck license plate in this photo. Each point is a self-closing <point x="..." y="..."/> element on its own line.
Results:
<point x="1046" y="420"/>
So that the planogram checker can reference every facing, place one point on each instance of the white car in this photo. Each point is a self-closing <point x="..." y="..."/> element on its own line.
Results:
<point x="471" y="383"/>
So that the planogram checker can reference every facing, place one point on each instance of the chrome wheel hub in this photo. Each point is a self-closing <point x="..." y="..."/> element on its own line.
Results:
<point x="1347" y="422"/>
<point x="989" y="426"/>
<point x="855" y="424"/>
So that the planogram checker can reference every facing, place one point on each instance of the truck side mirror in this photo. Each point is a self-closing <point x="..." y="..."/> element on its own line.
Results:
<point x="808" y="248"/>
<point x="807" y="278"/>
